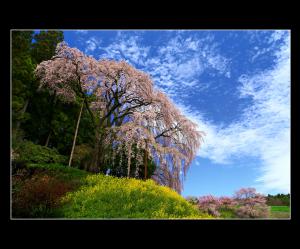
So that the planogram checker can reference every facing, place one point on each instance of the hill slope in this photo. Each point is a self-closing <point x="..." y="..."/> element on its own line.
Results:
<point x="100" y="196"/>
<point x="111" y="197"/>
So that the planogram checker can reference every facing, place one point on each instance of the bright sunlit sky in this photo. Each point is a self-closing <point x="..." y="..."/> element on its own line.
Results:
<point x="234" y="84"/>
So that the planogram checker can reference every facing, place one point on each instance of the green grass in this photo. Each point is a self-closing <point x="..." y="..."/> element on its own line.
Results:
<point x="280" y="212"/>
<point x="111" y="197"/>
<point x="280" y="209"/>
<point x="275" y="212"/>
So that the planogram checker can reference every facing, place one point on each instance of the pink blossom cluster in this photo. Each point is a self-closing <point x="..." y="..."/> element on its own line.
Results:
<point x="209" y="204"/>
<point x="68" y="73"/>
<point x="246" y="203"/>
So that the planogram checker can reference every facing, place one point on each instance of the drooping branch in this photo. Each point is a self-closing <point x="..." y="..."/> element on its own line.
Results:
<point x="126" y="109"/>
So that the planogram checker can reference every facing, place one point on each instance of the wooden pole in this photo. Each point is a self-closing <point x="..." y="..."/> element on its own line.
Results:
<point x="75" y="136"/>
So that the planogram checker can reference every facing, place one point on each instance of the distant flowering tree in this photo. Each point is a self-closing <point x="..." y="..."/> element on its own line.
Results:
<point x="210" y="204"/>
<point x="227" y="202"/>
<point x="251" y="204"/>
<point x="246" y="203"/>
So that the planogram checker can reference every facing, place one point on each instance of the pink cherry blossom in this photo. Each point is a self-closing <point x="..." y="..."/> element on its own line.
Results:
<point x="129" y="111"/>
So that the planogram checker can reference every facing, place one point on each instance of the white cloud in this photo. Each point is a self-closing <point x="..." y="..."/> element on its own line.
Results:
<point x="81" y="32"/>
<point x="177" y="65"/>
<point x="275" y="171"/>
<point x="270" y="42"/>
<point x="217" y="62"/>
<point x="127" y="47"/>
<point x="92" y="44"/>
<point x="277" y="35"/>
<point x="260" y="52"/>
<point x="263" y="131"/>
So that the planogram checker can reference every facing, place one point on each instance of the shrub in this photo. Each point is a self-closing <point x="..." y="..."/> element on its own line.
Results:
<point x="28" y="152"/>
<point x="37" y="196"/>
<point x="57" y="170"/>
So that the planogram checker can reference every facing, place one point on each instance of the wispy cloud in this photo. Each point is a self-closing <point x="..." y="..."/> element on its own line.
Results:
<point x="266" y="46"/>
<point x="174" y="65"/>
<point x="81" y="32"/>
<point x="92" y="44"/>
<point x="128" y="48"/>
<point x="179" y="64"/>
<point x="263" y="131"/>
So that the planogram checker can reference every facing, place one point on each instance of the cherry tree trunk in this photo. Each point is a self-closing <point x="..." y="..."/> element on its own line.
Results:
<point x="97" y="148"/>
<point x="146" y="161"/>
<point x="128" y="163"/>
<point x="75" y="136"/>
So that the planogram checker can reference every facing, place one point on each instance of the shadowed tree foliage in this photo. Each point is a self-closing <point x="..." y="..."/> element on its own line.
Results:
<point x="44" y="45"/>
<point x="32" y="110"/>
<point x="22" y="76"/>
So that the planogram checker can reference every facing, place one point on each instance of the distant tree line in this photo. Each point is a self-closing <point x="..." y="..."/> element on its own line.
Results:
<point x="278" y="200"/>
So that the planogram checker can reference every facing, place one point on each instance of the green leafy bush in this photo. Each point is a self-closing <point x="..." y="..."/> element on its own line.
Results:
<point x="59" y="171"/>
<point x="28" y="152"/>
<point x="111" y="197"/>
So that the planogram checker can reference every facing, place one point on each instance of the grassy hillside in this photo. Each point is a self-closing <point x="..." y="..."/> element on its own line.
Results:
<point x="111" y="197"/>
<point x="75" y="193"/>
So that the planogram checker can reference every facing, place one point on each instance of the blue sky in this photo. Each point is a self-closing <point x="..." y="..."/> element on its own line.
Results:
<point x="235" y="84"/>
